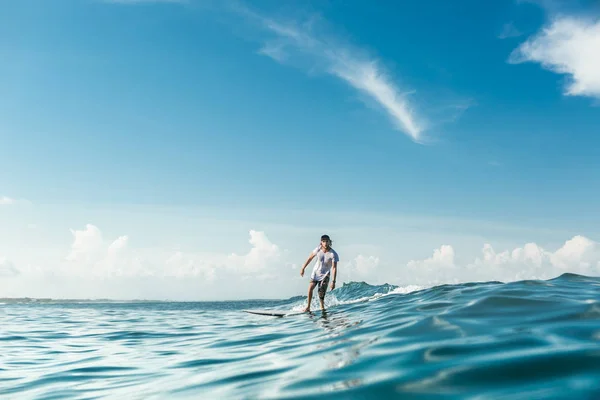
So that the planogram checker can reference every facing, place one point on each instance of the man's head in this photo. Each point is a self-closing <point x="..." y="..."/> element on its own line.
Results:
<point x="325" y="241"/>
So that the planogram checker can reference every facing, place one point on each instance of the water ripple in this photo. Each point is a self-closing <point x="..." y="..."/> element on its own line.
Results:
<point x="524" y="340"/>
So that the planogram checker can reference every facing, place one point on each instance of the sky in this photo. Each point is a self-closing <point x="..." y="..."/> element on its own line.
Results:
<point x="198" y="149"/>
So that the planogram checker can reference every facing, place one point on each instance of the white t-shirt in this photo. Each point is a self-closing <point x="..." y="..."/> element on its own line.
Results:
<point x="324" y="263"/>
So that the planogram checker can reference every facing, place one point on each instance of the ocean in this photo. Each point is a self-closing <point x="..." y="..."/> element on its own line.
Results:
<point x="488" y="340"/>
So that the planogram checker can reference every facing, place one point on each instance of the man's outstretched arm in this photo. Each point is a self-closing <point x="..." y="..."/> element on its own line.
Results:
<point x="308" y="260"/>
<point x="334" y="273"/>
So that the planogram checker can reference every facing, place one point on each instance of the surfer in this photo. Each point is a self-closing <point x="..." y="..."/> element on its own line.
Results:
<point x="327" y="260"/>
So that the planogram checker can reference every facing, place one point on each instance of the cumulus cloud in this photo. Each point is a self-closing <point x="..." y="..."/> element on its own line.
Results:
<point x="440" y="267"/>
<point x="87" y="244"/>
<point x="118" y="245"/>
<point x="442" y="257"/>
<point x="180" y="265"/>
<point x="569" y="46"/>
<point x="578" y="255"/>
<point x="262" y="253"/>
<point x="363" y="266"/>
<point x="91" y="255"/>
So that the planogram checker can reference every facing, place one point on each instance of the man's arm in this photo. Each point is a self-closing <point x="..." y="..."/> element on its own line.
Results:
<point x="308" y="260"/>
<point x="334" y="272"/>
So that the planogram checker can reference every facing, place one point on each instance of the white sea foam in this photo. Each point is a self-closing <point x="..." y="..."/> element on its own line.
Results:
<point x="332" y="301"/>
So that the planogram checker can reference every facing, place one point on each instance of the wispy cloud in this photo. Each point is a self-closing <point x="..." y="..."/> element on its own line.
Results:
<point x="298" y="44"/>
<point x="570" y="46"/>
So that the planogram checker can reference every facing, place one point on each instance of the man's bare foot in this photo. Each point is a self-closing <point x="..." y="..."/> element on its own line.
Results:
<point x="307" y="309"/>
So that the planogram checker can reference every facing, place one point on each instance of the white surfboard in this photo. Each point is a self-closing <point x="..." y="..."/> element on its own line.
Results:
<point x="273" y="313"/>
<point x="269" y="313"/>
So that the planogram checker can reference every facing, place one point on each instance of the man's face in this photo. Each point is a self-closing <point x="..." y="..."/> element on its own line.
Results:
<point x="324" y="242"/>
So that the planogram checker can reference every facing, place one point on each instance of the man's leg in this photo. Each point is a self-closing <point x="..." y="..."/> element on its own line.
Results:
<point x="322" y="289"/>
<point x="311" y="287"/>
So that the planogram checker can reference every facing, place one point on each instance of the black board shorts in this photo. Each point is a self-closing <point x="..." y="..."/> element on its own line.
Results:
<point x="322" y="286"/>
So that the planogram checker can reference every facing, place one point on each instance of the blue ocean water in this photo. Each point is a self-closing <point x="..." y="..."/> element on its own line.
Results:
<point x="520" y="340"/>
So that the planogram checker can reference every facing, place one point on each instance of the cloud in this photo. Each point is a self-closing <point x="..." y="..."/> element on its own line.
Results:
<point x="363" y="266"/>
<point x="87" y="244"/>
<point x="118" y="245"/>
<point x="306" y="44"/>
<point x="180" y="265"/>
<point x="262" y="253"/>
<point x="121" y="267"/>
<point x="569" y="46"/>
<point x="442" y="257"/>
<point x="8" y="269"/>
<point x="578" y="255"/>
<point x="439" y="268"/>
<point x="92" y="256"/>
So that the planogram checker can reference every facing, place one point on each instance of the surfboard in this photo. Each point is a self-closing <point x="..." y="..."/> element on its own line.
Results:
<point x="269" y="313"/>
<point x="274" y="313"/>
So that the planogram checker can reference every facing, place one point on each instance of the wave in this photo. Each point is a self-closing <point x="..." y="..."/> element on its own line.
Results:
<point x="518" y="340"/>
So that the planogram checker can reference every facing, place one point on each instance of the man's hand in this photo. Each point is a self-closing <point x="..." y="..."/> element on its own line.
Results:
<point x="302" y="272"/>
<point x="332" y="285"/>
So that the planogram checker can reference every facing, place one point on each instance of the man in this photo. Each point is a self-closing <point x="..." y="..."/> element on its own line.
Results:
<point x="327" y="260"/>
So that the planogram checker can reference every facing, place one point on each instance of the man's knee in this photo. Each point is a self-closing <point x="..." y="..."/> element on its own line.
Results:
<point x="322" y="291"/>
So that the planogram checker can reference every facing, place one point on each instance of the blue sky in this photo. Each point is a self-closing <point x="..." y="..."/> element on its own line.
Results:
<point x="184" y="126"/>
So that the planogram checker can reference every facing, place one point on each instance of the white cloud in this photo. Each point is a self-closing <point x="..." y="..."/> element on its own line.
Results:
<point x="134" y="266"/>
<point x="262" y="253"/>
<point x="118" y="245"/>
<point x="363" y="266"/>
<point x="578" y="255"/>
<point x="7" y="268"/>
<point x="570" y="46"/>
<point x="92" y="256"/>
<point x="299" y="45"/>
<point x="182" y="265"/>
<point x="87" y="244"/>
<point x="442" y="257"/>
<point x="440" y="267"/>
